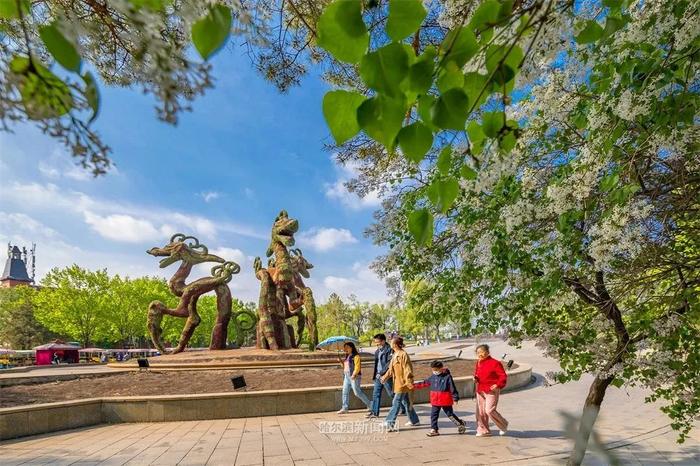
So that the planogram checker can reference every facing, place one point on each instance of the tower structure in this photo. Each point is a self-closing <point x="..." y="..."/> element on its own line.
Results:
<point x="15" y="272"/>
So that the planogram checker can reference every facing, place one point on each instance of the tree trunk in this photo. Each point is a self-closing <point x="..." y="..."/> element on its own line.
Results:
<point x="591" y="408"/>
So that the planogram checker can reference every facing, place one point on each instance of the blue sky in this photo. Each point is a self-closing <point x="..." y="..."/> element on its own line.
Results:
<point x="222" y="174"/>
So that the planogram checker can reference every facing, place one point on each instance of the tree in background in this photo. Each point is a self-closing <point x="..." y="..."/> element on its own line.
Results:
<point x="18" y="327"/>
<point x="380" y="319"/>
<point x="129" y="300"/>
<point x="75" y="302"/>
<point x="208" y="313"/>
<point x="331" y="318"/>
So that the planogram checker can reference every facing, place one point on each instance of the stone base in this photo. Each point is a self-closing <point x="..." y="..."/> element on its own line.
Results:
<point x="51" y="417"/>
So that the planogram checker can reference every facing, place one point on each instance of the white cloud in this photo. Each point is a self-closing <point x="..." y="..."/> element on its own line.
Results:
<point x="339" y="192"/>
<point x="103" y="215"/>
<point x="362" y="282"/>
<point x="209" y="196"/>
<point x="125" y="228"/>
<point x="54" y="251"/>
<point x="244" y="285"/>
<point x="325" y="239"/>
<point x="60" y="165"/>
<point x="231" y="254"/>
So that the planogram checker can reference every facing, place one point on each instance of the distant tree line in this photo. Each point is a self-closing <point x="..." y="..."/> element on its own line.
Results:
<point x="96" y="309"/>
<point x="109" y="311"/>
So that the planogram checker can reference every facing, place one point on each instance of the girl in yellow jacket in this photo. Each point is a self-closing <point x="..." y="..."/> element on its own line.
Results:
<point x="352" y="371"/>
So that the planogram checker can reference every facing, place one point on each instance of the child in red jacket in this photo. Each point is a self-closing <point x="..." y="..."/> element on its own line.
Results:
<point x="489" y="378"/>
<point x="443" y="393"/>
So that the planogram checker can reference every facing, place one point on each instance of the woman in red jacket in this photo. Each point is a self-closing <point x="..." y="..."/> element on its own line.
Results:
<point x="489" y="378"/>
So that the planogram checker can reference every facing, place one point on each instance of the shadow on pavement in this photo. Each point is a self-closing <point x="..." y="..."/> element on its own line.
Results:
<point x="536" y="434"/>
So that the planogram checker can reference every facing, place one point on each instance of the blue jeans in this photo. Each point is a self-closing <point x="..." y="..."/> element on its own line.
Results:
<point x="349" y="383"/>
<point x="399" y="400"/>
<point x="377" y="393"/>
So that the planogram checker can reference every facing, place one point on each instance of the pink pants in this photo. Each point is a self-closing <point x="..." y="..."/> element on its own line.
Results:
<point x="486" y="404"/>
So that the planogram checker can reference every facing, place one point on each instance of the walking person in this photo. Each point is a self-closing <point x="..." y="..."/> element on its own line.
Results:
<point x="382" y="358"/>
<point x="489" y="378"/>
<point x="401" y="373"/>
<point x="443" y="393"/>
<point x="352" y="375"/>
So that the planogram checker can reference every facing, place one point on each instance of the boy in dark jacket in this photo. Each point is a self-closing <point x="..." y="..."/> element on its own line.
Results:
<point x="443" y="392"/>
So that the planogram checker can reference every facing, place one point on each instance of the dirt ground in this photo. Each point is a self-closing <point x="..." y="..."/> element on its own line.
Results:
<point x="156" y="382"/>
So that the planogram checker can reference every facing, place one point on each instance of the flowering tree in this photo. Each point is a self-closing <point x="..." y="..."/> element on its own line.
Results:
<point x="51" y="51"/>
<point x="540" y="167"/>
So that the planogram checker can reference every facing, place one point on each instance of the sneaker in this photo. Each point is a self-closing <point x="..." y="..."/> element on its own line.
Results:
<point x="342" y="411"/>
<point x="371" y="415"/>
<point x="433" y="433"/>
<point x="502" y="432"/>
<point x="410" y="424"/>
<point x="462" y="429"/>
<point x="482" y="434"/>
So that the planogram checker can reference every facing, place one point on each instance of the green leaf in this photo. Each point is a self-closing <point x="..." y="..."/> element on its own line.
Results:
<point x="459" y="46"/>
<point x="415" y="140"/>
<point x="467" y="172"/>
<point x="60" y="48"/>
<point x="563" y="222"/>
<point x="340" y="111"/>
<point x="476" y="136"/>
<point x="450" y="77"/>
<point x="153" y="5"/>
<point x="342" y="32"/>
<point x="590" y="33"/>
<point x="503" y="61"/>
<point x="92" y="95"/>
<point x="433" y="192"/>
<point x="405" y="17"/>
<point x="425" y="104"/>
<point x="19" y="64"/>
<point x="8" y="8"/>
<point x="507" y="142"/>
<point x="609" y="182"/>
<point x="612" y="25"/>
<point x="485" y="16"/>
<point x="381" y="118"/>
<point x="505" y="10"/>
<point x="44" y="95"/>
<point x="209" y="34"/>
<point x="384" y="69"/>
<point x="443" y="193"/>
<point x="623" y="194"/>
<point x="476" y="86"/>
<point x="617" y="382"/>
<point x="524" y="20"/>
<point x="420" y="225"/>
<point x="444" y="161"/>
<point x="450" y="110"/>
<point x="492" y="122"/>
<point x="420" y="74"/>
<point x="449" y="190"/>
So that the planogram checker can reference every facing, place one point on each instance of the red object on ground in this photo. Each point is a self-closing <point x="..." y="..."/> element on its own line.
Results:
<point x="65" y="353"/>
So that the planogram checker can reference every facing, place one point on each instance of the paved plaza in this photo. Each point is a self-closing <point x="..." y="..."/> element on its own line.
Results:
<point x="634" y="432"/>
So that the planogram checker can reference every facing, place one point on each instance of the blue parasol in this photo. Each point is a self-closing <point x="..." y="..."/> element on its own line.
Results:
<point x="335" y="343"/>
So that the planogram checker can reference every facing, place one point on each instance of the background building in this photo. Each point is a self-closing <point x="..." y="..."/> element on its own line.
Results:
<point x="15" y="272"/>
